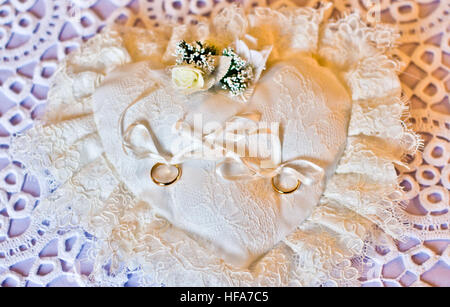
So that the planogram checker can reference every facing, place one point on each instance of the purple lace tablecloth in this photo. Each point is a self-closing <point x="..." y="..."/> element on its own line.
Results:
<point x="36" y="34"/>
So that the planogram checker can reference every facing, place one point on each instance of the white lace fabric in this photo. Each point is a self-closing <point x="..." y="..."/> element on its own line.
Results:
<point x="82" y="186"/>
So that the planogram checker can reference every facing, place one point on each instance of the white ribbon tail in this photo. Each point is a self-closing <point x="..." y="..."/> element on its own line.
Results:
<point x="306" y="171"/>
<point x="233" y="169"/>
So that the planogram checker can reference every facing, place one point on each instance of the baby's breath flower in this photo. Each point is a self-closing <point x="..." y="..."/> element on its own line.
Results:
<point x="197" y="54"/>
<point x="239" y="75"/>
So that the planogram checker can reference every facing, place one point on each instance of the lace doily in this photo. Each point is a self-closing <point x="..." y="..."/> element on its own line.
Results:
<point x="40" y="254"/>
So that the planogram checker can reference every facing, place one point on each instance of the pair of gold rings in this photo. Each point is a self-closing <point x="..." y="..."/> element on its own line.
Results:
<point x="180" y="172"/>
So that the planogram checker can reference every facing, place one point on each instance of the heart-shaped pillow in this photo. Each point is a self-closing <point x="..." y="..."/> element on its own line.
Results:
<point x="243" y="219"/>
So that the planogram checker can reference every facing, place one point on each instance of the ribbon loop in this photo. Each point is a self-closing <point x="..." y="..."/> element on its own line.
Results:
<point x="243" y="170"/>
<point x="138" y="139"/>
<point x="305" y="171"/>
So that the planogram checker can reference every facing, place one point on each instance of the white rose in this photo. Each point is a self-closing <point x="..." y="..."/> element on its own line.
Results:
<point x="188" y="78"/>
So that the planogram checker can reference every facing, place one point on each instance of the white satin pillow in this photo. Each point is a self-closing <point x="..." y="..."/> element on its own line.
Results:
<point x="242" y="220"/>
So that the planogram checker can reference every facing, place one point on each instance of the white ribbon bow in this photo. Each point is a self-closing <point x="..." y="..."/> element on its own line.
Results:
<point x="141" y="142"/>
<point x="235" y="167"/>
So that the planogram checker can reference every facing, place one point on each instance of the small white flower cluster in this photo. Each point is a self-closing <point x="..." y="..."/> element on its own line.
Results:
<point x="239" y="74"/>
<point x="198" y="54"/>
<point x="197" y="60"/>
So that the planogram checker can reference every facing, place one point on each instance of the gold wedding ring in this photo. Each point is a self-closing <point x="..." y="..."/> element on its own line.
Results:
<point x="280" y="191"/>
<point x="165" y="184"/>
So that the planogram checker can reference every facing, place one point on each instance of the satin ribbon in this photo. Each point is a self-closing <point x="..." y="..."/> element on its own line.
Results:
<point x="242" y="170"/>
<point x="232" y="133"/>
<point x="237" y="168"/>
<point x="139" y="140"/>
